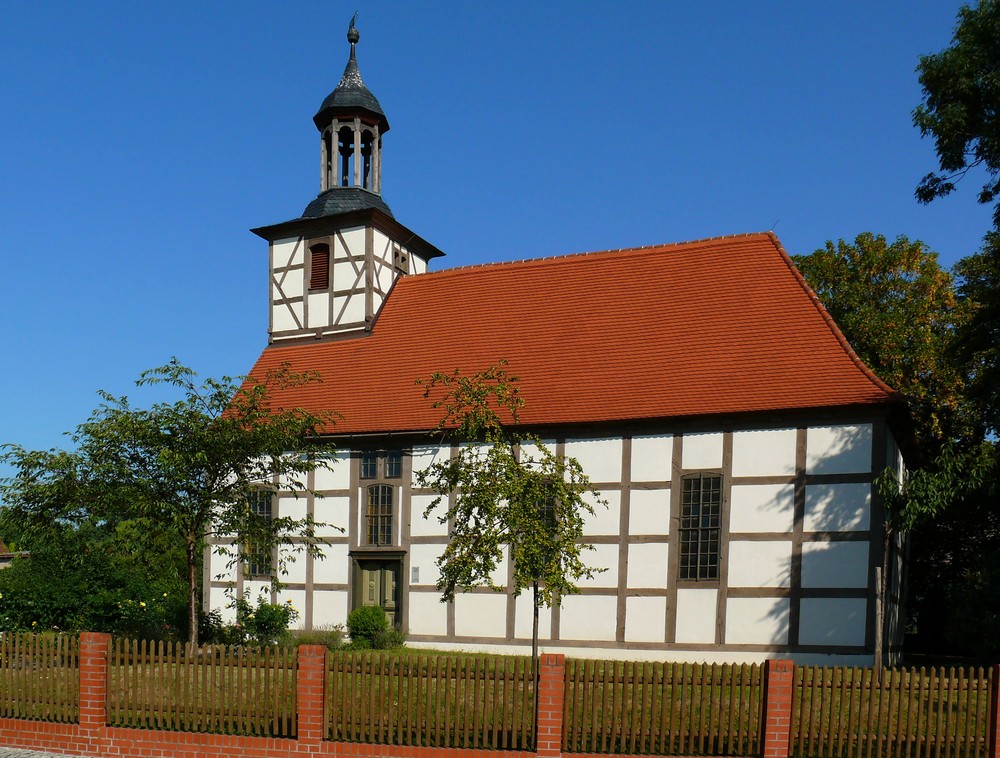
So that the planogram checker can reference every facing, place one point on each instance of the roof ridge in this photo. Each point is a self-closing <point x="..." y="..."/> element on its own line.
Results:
<point x="548" y="258"/>
<point x="831" y="324"/>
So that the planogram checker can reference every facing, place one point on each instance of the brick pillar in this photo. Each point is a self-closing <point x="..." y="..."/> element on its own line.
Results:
<point x="551" y="688"/>
<point x="94" y="680"/>
<point x="779" y="677"/>
<point x="994" y="724"/>
<point x="310" y="688"/>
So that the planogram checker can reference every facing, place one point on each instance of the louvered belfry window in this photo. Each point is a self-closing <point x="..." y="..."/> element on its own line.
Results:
<point x="319" y="267"/>
<point x="700" y="527"/>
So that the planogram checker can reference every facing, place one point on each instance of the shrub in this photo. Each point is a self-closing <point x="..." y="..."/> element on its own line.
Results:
<point x="265" y="624"/>
<point x="332" y="637"/>
<point x="365" y="622"/>
<point x="389" y="638"/>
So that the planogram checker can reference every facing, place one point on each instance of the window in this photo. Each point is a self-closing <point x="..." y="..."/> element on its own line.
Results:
<point x="319" y="267"/>
<point x="259" y="561"/>
<point x="700" y="527"/>
<point x="381" y="464"/>
<point x="379" y="514"/>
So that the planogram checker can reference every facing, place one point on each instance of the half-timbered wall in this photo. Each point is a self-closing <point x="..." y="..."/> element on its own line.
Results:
<point x="800" y="541"/>
<point x="361" y="262"/>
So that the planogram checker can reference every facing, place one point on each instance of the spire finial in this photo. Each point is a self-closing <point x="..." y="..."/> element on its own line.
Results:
<point x="352" y="33"/>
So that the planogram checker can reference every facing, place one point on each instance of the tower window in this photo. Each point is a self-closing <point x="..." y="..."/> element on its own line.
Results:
<point x="346" y="149"/>
<point x="319" y="267"/>
<point x="700" y="527"/>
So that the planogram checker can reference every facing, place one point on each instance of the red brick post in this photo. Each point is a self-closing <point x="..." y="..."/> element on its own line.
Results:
<point x="94" y="680"/>
<point x="994" y="724"/>
<point x="311" y="691"/>
<point x="551" y="689"/>
<point x="779" y="678"/>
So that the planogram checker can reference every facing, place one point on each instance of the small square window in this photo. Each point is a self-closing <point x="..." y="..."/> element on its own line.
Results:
<point x="393" y="464"/>
<point x="369" y="464"/>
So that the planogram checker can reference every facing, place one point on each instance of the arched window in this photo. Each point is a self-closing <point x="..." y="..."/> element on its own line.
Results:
<point x="379" y="514"/>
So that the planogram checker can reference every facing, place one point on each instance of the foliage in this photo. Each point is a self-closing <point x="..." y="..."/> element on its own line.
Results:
<point x="331" y="637"/>
<point x="961" y="92"/>
<point x="365" y="623"/>
<point x="511" y="492"/>
<point x="977" y="347"/>
<point x="898" y="309"/>
<point x="188" y="469"/>
<point x="263" y="624"/>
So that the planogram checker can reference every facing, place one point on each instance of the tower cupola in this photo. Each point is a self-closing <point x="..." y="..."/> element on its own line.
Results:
<point x="351" y="124"/>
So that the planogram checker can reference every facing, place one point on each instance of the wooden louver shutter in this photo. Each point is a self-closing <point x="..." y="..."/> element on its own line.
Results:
<point x="319" y="269"/>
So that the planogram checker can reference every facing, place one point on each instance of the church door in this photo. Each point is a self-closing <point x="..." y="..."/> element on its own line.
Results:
<point x="378" y="584"/>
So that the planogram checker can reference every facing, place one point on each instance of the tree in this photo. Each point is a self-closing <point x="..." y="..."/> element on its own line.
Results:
<point x="898" y="309"/>
<point x="190" y="469"/>
<point x="511" y="493"/>
<point x="960" y="111"/>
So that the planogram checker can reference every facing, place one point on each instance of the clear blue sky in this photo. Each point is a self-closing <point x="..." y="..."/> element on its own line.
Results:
<point x="139" y="142"/>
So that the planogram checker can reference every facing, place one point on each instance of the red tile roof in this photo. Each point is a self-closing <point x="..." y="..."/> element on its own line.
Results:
<point x="716" y="326"/>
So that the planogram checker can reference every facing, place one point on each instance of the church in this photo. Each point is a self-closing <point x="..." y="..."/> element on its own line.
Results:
<point x="707" y="394"/>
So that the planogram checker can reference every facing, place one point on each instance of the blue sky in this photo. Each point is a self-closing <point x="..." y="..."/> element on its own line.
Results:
<point x="139" y="142"/>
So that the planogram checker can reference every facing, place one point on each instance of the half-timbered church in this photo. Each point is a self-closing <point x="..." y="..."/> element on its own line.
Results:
<point x="704" y="389"/>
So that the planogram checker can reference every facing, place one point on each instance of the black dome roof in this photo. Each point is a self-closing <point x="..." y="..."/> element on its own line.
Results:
<point x="351" y="96"/>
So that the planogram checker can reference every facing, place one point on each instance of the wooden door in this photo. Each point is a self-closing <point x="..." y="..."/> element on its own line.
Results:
<point x="380" y="585"/>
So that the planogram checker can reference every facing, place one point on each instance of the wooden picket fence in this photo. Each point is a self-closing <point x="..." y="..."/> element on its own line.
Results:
<point x="212" y="688"/>
<point x="904" y="713"/>
<point x="39" y="677"/>
<point x="431" y="700"/>
<point x="629" y="707"/>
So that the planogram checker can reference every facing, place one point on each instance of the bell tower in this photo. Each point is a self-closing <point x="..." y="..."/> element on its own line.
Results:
<point x="332" y="268"/>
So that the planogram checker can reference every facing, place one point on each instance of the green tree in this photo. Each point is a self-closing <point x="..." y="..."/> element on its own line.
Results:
<point x="509" y="491"/>
<point x="190" y="469"/>
<point x="961" y="94"/>
<point x="898" y="309"/>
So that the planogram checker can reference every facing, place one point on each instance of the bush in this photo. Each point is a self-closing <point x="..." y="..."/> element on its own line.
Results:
<point x="389" y="638"/>
<point x="265" y="624"/>
<point x="331" y="637"/>
<point x="365" y="622"/>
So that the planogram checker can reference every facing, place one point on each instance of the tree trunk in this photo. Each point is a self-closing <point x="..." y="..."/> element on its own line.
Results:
<point x="192" y="566"/>
<point x="534" y="653"/>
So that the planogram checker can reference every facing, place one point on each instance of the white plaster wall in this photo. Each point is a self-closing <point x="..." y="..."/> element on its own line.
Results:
<point x="338" y="477"/>
<point x="255" y="589"/>
<point x="319" y="310"/>
<point x="832" y="621"/>
<point x="523" y="616"/>
<point x="355" y="239"/>
<point x="645" y="619"/>
<point x="424" y="557"/>
<point x="430" y="526"/>
<point x="346" y="276"/>
<point x="295" y="566"/>
<point x="530" y="453"/>
<point x="652" y="455"/>
<point x="835" y="564"/>
<point x="601" y="458"/>
<point x="762" y="508"/>
<point x="844" y="449"/>
<point x="424" y="456"/>
<point x="333" y="569"/>
<point x="219" y="600"/>
<point x="385" y="277"/>
<point x="588" y="617"/>
<point x="601" y="557"/>
<point x="606" y="519"/>
<point x="349" y="309"/>
<point x="291" y="283"/>
<point x="837" y="507"/>
<point x="701" y="451"/>
<point x="334" y="511"/>
<point x="764" y="452"/>
<point x="480" y="614"/>
<point x="647" y="565"/>
<point x="329" y="608"/>
<point x="285" y="253"/>
<point x="282" y="318"/>
<point x="649" y="512"/>
<point x="696" y="615"/>
<point x="757" y="621"/>
<point x="221" y="572"/>
<point x="417" y="265"/>
<point x="292" y="507"/>
<point x="427" y="614"/>
<point x="760" y="564"/>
